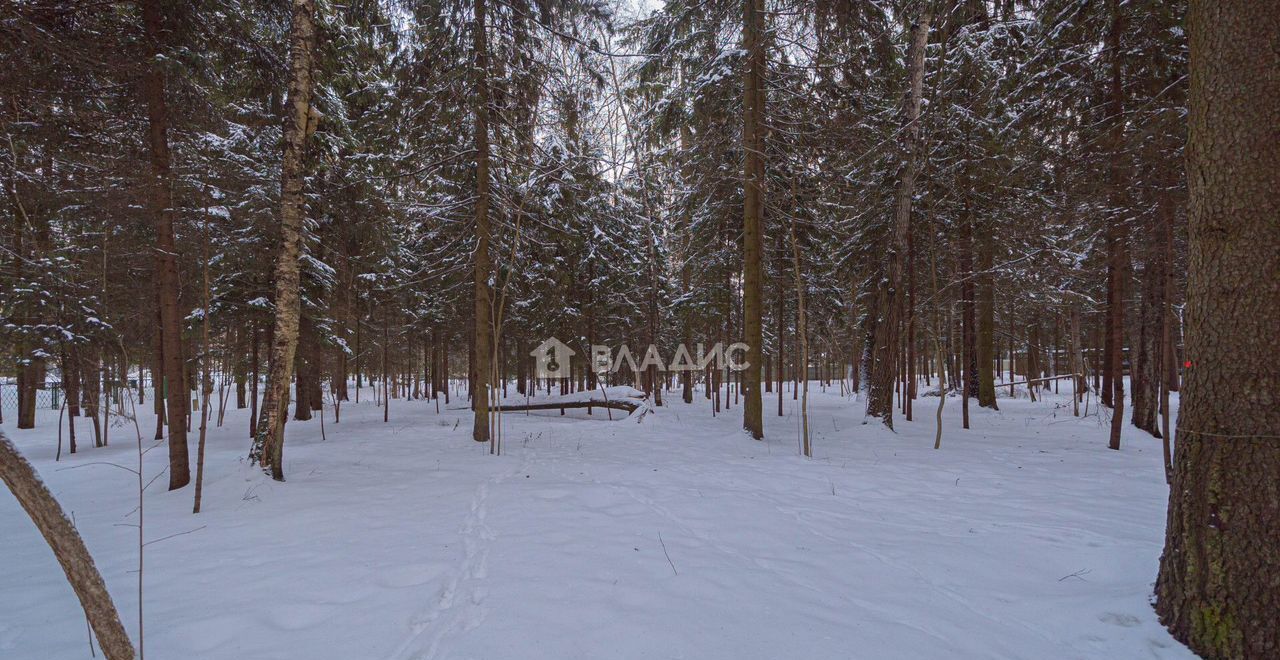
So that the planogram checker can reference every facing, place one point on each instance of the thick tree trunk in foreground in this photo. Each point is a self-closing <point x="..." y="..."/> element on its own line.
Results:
<point x="887" y="342"/>
<point x="268" y="442"/>
<point x="753" y="211"/>
<point x="160" y="208"/>
<point x="1219" y="584"/>
<point x="68" y="548"/>
<point x="481" y="367"/>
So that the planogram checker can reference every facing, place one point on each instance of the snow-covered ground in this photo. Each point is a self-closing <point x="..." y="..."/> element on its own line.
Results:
<point x="673" y="537"/>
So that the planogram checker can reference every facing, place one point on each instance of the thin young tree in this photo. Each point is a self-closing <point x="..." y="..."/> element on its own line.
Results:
<point x="206" y="380"/>
<point x="1117" y="255"/>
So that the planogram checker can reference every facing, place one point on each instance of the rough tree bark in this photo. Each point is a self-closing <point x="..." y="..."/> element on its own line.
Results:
<point x="1219" y="584"/>
<point x="268" y="442"/>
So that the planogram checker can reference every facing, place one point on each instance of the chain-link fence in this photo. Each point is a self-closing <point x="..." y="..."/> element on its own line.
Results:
<point x="50" y="396"/>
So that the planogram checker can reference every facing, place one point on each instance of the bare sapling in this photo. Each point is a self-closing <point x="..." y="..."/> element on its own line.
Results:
<point x="206" y="383"/>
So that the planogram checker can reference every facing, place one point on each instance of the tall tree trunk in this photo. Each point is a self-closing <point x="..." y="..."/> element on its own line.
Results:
<point x="968" y="315"/>
<point x="26" y="367"/>
<point x="71" y="389"/>
<point x="240" y="372"/>
<point x="1077" y="362"/>
<point x="302" y="366"/>
<point x="1145" y="381"/>
<point x="1033" y="357"/>
<point x="1117" y="256"/>
<point x="480" y="369"/>
<point x="1219" y="584"/>
<point x="753" y="211"/>
<point x="359" y="354"/>
<point x="157" y="377"/>
<point x="160" y="208"/>
<point x="910" y="375"/>
<point x="206" y="353"/>
<point x="886" y="339"/>
<point x="91" y="391"/>
<point x="1169" y="365"/>
<point x="1107" y="388"/>
<point x="253" y="384"/>
<point x="29" y="382"/>
<point x="986" y="309"/>
<point x="268" y="443"/>
<point x="781" y="322"/>
<point x="802" y="334"/>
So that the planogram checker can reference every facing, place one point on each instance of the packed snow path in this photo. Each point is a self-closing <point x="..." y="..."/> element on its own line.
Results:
<point x="675" y="537"/>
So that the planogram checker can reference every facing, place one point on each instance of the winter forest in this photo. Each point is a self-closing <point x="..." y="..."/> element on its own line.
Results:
<point x="640" y="328"/>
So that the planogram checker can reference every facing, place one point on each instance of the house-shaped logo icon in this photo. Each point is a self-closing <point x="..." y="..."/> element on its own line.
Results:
<point x="553" y="358"/>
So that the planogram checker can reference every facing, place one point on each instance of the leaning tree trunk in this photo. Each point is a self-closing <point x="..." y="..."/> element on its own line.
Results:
<point x="1219" y="584"/>
<point x="480" y="366"/>
<point x="886" y="339"/>
<point x="268" y="442"/>
<point x="160" y="208"/>
<point x="68" y="548"/>
<point x="753" y="211"/>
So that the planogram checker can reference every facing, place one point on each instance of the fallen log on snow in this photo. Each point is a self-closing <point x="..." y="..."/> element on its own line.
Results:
<point x="617" y="397"/>
<point x="1041" y="380"/>
<point x="617" y="404"/>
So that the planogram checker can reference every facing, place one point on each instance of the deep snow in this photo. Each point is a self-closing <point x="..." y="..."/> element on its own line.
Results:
<point x="673" y="537"/>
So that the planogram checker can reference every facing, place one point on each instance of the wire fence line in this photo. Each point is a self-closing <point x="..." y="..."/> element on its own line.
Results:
<point x="51" y="394"/>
